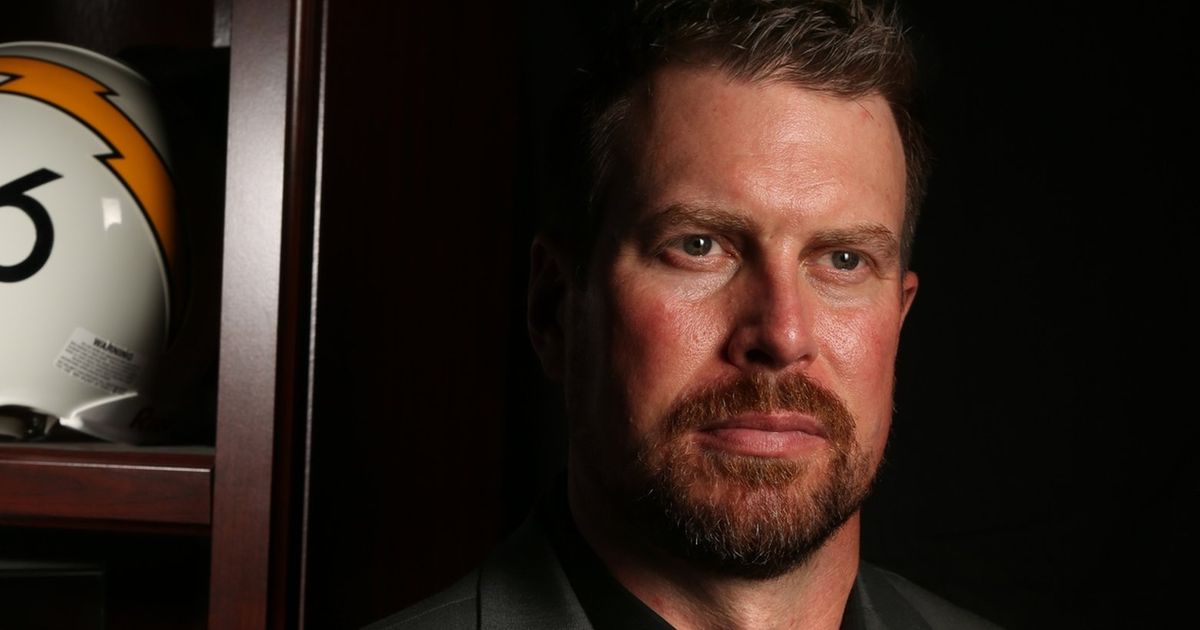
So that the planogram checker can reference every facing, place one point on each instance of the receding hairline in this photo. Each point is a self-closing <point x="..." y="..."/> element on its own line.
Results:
<point x="642" y="87"/>
<point x="627" y="121"/>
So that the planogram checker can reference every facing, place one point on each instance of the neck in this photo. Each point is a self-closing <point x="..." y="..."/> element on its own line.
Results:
<point x="812" y="595"/>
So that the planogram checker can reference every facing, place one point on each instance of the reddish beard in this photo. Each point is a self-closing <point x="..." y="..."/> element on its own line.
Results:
<point x="751" y="516"/>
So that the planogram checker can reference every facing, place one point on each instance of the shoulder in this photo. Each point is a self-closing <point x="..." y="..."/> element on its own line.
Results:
<point x="887" y="594"/>
<point x="521" y="586"/>
<point x="455" y="608"/>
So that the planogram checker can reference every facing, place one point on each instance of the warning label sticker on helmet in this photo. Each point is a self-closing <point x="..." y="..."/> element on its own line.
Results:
<point x="99" y="362"/>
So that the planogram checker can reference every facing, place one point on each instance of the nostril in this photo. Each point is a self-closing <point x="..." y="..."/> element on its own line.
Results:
<point x="756" y="356"/>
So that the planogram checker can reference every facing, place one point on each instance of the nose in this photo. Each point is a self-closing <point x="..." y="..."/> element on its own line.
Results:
<point x="773" y="322"/>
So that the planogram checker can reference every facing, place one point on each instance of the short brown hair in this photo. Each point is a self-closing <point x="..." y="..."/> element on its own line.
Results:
<point x="850" y="48"/>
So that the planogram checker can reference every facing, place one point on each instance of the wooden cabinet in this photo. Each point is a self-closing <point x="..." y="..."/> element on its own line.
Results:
<point x="226" y="511"/>
<point x="404" y="162"/>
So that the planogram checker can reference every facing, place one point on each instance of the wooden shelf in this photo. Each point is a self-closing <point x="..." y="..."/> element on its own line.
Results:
<point x="247" y="118"/>
<point x="106" y="485"/>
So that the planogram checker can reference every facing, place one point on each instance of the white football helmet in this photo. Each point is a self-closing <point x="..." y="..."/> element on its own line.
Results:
<point x="88" y="245"/>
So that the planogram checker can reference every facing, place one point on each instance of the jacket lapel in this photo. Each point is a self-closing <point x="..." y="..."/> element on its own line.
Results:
<point x="523" y="587"/>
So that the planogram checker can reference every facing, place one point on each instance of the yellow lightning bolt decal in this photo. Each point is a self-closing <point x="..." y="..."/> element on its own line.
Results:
<point x="133" y="158"/>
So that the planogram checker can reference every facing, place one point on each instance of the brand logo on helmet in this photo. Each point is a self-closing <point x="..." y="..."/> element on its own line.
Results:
<point x="133" y="159"/>
<point x="13" y="194"/>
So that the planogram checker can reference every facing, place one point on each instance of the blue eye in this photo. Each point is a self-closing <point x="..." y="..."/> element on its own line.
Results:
<point x="697" y="245"/>
<point x="845" y="261"/>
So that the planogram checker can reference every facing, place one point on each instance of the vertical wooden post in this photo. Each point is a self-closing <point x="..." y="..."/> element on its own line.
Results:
<point x="266" y="318"/>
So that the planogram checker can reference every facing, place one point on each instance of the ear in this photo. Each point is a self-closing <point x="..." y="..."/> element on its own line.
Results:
<point x="908" y="292"/>
<point x="549" y="277"/>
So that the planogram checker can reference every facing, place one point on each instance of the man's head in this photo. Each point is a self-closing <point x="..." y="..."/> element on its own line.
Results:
<point x="848" y="48"/>
<point x="727" y="341"/>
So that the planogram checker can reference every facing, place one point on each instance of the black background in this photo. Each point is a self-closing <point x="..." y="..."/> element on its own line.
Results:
<point x="1040" y="468"/>
<point x="1040" y="456"/>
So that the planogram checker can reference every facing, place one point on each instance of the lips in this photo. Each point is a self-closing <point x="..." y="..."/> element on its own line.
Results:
<point x="763" y="414"/>
<point x="764" y="435"/>
<point x="771" y="422"/>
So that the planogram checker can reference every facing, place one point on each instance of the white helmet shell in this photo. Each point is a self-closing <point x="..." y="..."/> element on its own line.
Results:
<point x="87" y="242"/>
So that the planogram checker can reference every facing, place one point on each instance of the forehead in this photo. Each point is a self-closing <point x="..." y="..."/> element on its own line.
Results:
<point x="695" y="135"/>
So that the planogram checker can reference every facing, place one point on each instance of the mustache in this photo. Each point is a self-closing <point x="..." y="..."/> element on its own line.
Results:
<point x="764" y="392"/>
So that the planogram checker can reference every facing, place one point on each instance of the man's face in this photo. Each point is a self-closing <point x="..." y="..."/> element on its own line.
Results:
<point x="729" y="359"/>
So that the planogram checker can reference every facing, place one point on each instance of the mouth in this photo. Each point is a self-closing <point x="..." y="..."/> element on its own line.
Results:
<point x="782" y="434"/>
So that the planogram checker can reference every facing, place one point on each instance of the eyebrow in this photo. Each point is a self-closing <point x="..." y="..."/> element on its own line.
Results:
<point x="706" y="217"/>
<point x="871" y="236"/>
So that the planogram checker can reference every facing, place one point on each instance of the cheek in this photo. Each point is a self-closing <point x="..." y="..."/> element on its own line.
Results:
<point x="661" y="341"/>
<point x="860" y="348"/>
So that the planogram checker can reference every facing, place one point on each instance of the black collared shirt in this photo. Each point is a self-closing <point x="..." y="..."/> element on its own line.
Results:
<point x="607" y="604"/>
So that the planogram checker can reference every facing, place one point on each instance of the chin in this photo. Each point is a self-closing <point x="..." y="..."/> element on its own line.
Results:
<point x="739" y="515"/>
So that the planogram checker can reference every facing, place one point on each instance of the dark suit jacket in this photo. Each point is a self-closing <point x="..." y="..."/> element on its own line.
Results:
<point x="522" y="586"/>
